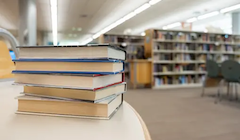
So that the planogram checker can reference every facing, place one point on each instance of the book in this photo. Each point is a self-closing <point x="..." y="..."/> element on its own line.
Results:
<point x="91" y="51"/>
<point x="64" y="107"/>
<point x="86" y="81"/>
<point x="67" y="93"/>
<point x="69" y="65"/>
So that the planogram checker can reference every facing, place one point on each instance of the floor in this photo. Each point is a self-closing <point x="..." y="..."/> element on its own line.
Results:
<point x="181" y="114"/>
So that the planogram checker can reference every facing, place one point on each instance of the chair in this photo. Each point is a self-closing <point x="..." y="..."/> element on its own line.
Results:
<point x="230" y="70"/>
<point x="213" y="71"/>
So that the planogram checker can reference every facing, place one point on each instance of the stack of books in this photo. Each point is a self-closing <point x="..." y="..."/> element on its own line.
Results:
<point x="72" y="81"/>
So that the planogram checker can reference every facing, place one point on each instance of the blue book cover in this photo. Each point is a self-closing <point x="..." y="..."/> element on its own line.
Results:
<point x="64" y="72"/>
<point x="68" y="60"/>
<point x="67" y="72"/>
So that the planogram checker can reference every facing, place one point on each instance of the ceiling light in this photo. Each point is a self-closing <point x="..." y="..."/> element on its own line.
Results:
<point x="123" y="19"/>
<point x="173" y="25"/>
<point x="164" y="27"/>
<point x="143" y="34"/>
<point x="208" y="15"/>
<point x="53" y="4"/>
<point x="226" y="27"/>
<point x="79" y="29"/>
<point x="86" y="41"/>
<point x="191" y="20"/>
<point x="142" y="8"/>
<point x="152" y="2"/>
<point x="231" y="8"/>
<point x="130" y="15"/>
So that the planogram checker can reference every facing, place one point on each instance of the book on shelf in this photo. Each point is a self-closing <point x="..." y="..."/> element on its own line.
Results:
<point x="189" y="79"/>
<point x="93" y="96"/>
<point x="202" y="57"/>
<point x="78" y="66"/>
<point x="164" y="69"/>
<point x="110" y="39"/>
<point x="38" y="105"/>
<point x="87" y="81"/>
<point x="228" y="48"/>
<point x="201" y="79"/>
<point x="158" y="81"/>
<point x="91" y="51"/>
<point x="199" y="47"/>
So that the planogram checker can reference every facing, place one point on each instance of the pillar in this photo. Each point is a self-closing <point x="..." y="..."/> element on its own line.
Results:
<point x="236" y="23"/>
<point x="27" y="22"/>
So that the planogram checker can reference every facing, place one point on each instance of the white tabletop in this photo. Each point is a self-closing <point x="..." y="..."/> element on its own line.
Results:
<point x="125" y="124"/>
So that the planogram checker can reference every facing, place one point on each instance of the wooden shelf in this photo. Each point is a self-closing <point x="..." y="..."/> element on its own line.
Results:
<point x="177" y="86"/>
<point x="177" y="62"/>
<point x="197" y="42"/>
<point x="195" y="52"/>
<point x="179" y="73"/>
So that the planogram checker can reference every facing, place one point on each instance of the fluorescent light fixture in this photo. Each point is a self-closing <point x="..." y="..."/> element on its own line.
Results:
<point x="164" y="28"/>
<point x="123" y="19"/>
<point x="208" y="15"/>
<point x="231" y="8"/>
<point x="130" y="15"/>
<point x="152" y="2"/>
<point x="191" y="20"/>
<point x="174" y="25"/>
<point x="226" y="27"/>
<point x="53" y="4"/>
<point x="86" y="41"/>
<point x="142" y="8"/>
<point x="143" y="34"/>
<point x="113" y="25"/>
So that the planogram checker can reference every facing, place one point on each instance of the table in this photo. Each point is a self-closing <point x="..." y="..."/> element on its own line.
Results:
<point x="126" y="124"/>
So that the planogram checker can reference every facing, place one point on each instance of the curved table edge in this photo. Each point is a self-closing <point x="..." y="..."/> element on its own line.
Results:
<point x="144" y="127"/>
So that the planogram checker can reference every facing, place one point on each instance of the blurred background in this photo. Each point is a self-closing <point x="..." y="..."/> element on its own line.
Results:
<point x="168" y="44"/>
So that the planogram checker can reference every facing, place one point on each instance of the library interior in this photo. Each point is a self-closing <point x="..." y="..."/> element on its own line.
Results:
<point x="119" y="69"/>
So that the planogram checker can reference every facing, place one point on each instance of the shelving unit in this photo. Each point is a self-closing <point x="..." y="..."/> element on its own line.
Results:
<point x="178" y="57"/>
<point x="135" y="65"/>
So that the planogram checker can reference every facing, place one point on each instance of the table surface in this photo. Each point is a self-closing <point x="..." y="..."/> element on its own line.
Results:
<point x="126" y="124"/>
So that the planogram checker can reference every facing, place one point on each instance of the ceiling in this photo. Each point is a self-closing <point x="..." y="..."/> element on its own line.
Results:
<point x="92" y="15"/>
<point x="170" y="11"/>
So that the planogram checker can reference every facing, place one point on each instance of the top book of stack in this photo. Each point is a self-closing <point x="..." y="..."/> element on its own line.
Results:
<point x="91" y="51"/>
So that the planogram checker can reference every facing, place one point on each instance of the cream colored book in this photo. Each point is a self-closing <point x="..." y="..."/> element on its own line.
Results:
<point x="69" y="81"/>
<point x="91" y="51"/>
<point x="68" y="65"/>
<point x="33" y="104"/>
<point x="66" y="93"/>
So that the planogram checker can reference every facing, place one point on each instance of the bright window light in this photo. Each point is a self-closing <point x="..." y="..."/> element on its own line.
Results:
<point x="173" y="25"/>
<point x="231" y="8"/>
<point x="142" y="8"/>
<point x="191" y="20"/>
<point x="53" y="4"/>
<point x="208" y="15"/>
<point x="152" y="2"/>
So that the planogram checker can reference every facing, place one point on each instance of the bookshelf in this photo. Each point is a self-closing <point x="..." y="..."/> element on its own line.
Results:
<point x="129" y="42"/>
<point x="136" y="64"/>
<point x="178" y="57"/>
